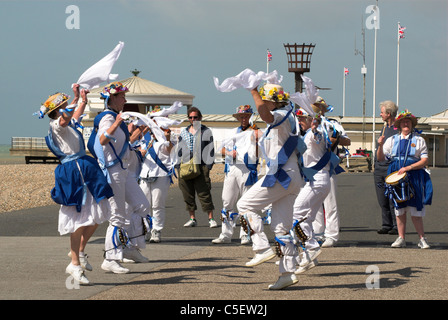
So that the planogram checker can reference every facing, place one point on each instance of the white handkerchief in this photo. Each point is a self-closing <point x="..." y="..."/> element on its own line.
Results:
<point x="247" y="79"/>
<point x="307" y="98"/>
<point x="148" y="122"/>
<point x="100" y="71"/>
<point x="176" y="106"/>
<point x="165" y="123"/>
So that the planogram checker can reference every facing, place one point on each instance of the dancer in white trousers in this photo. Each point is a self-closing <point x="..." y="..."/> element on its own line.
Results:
<point x="113" y="152"/>
<point x="326" y="224"/>
<point x="240" y="154"/>
<point x="135" y="229"/>
<point x="317" y="157"/>
<point x="155" y="180"/>
<point x="279" y="187"/>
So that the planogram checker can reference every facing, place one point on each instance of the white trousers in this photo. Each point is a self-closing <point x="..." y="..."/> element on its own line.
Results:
<point x="156" y="192"/>
<point x="308" y="203"/>
<point x="258" y="198"/>
<point x="129" y="205"/>
<point x="326" y="222"/>
<point x="233" y="188"/>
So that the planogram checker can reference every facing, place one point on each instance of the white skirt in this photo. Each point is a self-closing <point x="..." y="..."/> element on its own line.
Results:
<point x="91" y="213"/>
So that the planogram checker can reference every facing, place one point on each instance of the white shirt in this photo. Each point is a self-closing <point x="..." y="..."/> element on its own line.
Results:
<point x="105" y="123"/>
<point x="316" y="148"/>
<point x="150" y="168"/>
<point x="276" y="138"/>
<point x="242" y="142"/>
<point x="421" y="151"/>
<point x="65" y="137"/>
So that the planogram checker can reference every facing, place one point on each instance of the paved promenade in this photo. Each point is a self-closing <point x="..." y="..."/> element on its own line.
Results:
<point x="186" y="266"/>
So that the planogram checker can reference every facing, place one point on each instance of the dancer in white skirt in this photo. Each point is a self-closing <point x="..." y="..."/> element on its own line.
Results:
<point x="110" y="143"/>
<point x="279" y="187"/>
<point x="80" y="186"/>
<point x="240" y="172"/>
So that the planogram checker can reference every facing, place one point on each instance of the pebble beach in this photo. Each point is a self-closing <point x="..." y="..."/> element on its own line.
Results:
<point x="25" y="186"/>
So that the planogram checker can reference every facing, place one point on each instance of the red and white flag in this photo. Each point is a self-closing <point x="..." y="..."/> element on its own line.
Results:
<point x="269" y="55"/>
<point x="401" y="31"/>
<point x="346" y="72"/>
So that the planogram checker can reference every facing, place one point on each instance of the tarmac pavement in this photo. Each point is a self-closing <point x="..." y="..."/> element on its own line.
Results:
<point x="186" y="266"/>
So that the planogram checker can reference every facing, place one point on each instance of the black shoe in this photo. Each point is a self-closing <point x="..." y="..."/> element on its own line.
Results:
<point x="393" y="231"/>
<point x="384" y="231"/>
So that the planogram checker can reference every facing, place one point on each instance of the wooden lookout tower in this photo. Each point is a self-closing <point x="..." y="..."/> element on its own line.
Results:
<point x="299" y="60"/>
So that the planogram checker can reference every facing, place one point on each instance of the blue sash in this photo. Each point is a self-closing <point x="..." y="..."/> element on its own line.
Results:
<point x="159" y="162"/>
<point x="281" y="176"/>
<point x="253" y="175"/>
<point x="285" y="152"/>
<point x="96" y="149"/>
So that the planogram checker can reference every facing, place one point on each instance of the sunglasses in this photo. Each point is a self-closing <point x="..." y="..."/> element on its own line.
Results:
<point x="193" y="117"/>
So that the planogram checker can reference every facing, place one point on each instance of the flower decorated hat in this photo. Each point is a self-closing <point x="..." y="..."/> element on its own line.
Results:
<point x="300" y="112"/>
<point x="406" y="114"/>
<point x="320" y="106"/>
<point x="244" y="109"/>
<point x="112" y="89"/>
<point x="274" y="93"/>
<point x="52" y="103"/>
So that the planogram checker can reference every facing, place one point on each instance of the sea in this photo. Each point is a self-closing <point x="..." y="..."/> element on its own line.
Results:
<point x="6" y="158"/>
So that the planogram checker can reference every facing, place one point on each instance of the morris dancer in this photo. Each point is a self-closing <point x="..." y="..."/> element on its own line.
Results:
<point x="111" y="146"/>
<point x="134" y="229"/>
<point x="408" y="154"/>
<point x="279" y="187"/>
<point x="326" y="223"/>
<point x="156" y="178"/>
<point x="317" y="157"/>
<point x="80" y="187"/>
<point x="240" y="173"/>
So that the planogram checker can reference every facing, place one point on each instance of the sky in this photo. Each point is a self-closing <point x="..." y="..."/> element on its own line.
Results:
<point x="183" y="44"/>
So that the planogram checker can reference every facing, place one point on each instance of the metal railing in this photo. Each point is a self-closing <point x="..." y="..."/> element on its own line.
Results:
<point x="28" y="143"/>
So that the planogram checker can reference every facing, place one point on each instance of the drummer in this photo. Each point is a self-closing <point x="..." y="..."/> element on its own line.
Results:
<point x="408" y="154"/>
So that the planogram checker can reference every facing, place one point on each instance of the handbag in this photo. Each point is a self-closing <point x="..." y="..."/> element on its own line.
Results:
<point x="189" y="170"/>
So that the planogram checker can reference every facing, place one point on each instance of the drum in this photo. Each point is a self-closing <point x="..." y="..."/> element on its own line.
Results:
<point x="398" y="187"/>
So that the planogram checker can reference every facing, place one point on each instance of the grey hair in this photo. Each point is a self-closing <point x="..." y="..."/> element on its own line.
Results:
<point x="389" y="107"/>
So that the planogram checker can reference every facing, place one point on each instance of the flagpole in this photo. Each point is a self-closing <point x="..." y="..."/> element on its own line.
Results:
<point x="374" y="85"/>
<point x="267" y="61"/>
<point x="398" y="62"/>
<point x="343" y="95"/>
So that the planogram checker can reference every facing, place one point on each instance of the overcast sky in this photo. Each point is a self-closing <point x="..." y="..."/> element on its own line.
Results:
<point x="183" y="44"/>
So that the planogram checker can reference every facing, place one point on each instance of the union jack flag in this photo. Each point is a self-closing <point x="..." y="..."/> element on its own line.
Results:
<point x="401" y="31"/>
<point x="346" y="72"/>
<point x="269" y="55"/>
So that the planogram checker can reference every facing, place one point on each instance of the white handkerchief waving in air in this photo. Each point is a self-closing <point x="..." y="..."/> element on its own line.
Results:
<point x="165" y="112"/>
<point x="308" y="97"/>
<point x="247" y="79"/>
<point x="101" y="71"/>
<point x="140" y="119"/>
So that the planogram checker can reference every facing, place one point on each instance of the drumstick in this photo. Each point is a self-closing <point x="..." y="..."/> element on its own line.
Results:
<point x="384" y="129"/>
